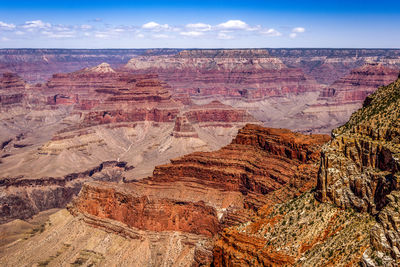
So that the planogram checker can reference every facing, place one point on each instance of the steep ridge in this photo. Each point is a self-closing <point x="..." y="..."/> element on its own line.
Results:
<point x="356" y="221"/>
<point x="13" y="96"/>
<point x="360" y="168"/>
<point x="203" y="192"/>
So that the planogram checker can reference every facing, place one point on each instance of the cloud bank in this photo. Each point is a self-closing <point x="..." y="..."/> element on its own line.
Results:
<point x="225" y="31"/>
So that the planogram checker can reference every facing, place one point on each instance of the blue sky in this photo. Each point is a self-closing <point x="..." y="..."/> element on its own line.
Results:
<point x="199" y="24"/>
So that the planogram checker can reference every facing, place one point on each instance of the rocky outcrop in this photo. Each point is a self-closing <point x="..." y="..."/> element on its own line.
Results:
<point x="360" y="169"/>
<point x="146" y="212"/>
<point x="203" y="192"/>
<point x="300" y="232"/>
<point x="22" y="197"/>
<point x="358" y="174"/>
<point x="366" y="150"/>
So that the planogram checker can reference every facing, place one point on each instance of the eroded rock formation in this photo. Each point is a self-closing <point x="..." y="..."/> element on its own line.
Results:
<point x="208" y="73"/>
<point x="360" y="169"/>
<point x="205" y="191"/>
<point x="358" y="219"/>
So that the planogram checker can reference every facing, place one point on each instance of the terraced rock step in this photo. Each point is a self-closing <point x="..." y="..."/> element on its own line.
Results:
<point x="203" y="192"/>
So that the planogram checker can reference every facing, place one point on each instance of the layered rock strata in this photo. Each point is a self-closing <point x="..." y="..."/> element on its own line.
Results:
<point x="248" y="74"/>
<point x="205" y="191"/>
<point x="360" y="170"/>
<point x="360" y="83"/>
<point x="218" y="113"/>
<point x="12" y="90"/>
<point x="358" y="219"/>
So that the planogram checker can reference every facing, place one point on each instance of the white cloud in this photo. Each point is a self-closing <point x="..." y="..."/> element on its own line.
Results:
<point x="101" y="35"/>
<point x="155" y="26"/>
<point x="271" y="32"/>
<point x="5" y="39"/>
<point x="192" y="34"/>
<point x="36" y="24"/>
<point x="62" y="35"/>
<point x="70" y="34"/>
<point x="86" y="27"/>
<point x="150" y="25"/>
<point x="199" y="26"/>
<point x="140" y="35"/>
<point x="19" y="33"/>
<point x="60" y="28"/>
<point x="224" y="36"/>
<point x="6" y="25"/>
<point x="298" y="30"/>
<point x="234" y="25"/>
<point x="160" y="36"/>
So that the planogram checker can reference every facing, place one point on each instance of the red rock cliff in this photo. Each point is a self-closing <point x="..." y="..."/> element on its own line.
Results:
<point x="203" y="192"/>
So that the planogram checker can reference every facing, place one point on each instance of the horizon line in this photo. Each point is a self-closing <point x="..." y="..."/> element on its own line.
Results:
<point x="193" y="48"/>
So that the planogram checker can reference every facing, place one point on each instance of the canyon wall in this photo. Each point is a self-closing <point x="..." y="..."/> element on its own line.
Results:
<point x="203" y="192"/>
<point x="360" y="169"/>
<point x="250" y="74"/>
<point x="265" y="82"/>
<point x="352" y="215"/>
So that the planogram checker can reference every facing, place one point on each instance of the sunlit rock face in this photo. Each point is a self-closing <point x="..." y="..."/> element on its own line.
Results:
<point x="203" y="192"/>
<point x="360" y="169"/>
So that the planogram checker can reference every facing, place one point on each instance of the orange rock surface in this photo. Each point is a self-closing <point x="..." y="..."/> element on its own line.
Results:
<point x="203" y="192"/>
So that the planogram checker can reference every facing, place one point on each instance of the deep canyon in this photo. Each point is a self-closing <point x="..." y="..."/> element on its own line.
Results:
<point x="200" y="157"/>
